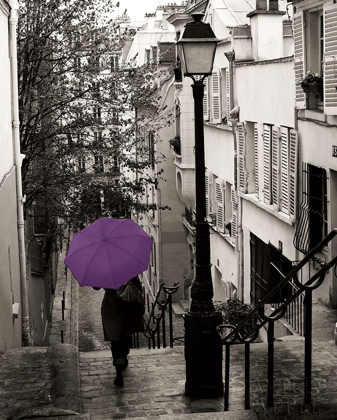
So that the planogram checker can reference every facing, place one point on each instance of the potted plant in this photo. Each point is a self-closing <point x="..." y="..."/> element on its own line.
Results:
<point x="312" y="83"/>
<point x="175" y="144"/>
<point x="234" y="312"/>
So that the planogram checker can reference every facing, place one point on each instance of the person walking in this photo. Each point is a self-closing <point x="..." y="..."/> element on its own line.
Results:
<point x="119" y="323"/>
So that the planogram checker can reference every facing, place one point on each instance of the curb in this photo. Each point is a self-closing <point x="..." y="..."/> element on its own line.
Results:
<point x="66" y="384"/>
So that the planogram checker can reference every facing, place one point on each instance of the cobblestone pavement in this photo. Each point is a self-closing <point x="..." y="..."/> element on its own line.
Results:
<point x="154" y="380"/>
<point x="154" y="383"/>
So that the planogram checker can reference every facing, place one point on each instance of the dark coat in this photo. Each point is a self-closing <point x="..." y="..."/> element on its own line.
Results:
<point x="117" y="324"/>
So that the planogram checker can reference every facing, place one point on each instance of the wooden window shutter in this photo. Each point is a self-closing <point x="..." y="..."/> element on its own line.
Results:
<point x="330" y="59"/>
<point x="206" y="100"/>
<point x="266" y="164"/>
<point x="228" y="95"/>
<point x="293" y="157"/>
<point x="220" y="199"/>
<point x="216" y="98"/>
<point x="234" y="213"/>
<point x="299" y="58"/>
<point x="241" y="154"/>
<point x="208" y="192"/>
<point x="285" y="170"/>
<point x="256" y="161"/>
<point x="275" y="169"/>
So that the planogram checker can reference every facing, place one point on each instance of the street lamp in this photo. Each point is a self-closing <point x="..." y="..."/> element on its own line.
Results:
<point x="203" y="347"/>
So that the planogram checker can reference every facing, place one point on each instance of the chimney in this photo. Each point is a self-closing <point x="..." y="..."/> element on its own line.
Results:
<point x="165" y="24"/>
<point x="267" y="30"/>
<point x="261" y="4"/>
<point x="273" y="5"/>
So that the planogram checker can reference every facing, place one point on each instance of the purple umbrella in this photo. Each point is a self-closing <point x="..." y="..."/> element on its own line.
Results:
<point x="108" y="253"/>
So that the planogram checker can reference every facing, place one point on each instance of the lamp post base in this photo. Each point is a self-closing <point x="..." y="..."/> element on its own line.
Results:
<point x="203" y="355"/>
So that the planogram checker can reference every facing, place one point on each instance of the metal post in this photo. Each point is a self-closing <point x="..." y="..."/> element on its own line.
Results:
<point x="247" y="376"/>
<point x="227" y="360"/>
<point x="203" y="347"/>
<point x="163" y="308"/>
<point x="158" y="333"/>
<point x="308" y="346"/>
<point x="271" y="364"/>
<point x="170" y="319"/>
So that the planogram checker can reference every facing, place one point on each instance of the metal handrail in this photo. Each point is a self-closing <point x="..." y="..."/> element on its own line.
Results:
<point x="236" y="334"/>
<point x="291" y="275"/>
<point x="154" y="318"/>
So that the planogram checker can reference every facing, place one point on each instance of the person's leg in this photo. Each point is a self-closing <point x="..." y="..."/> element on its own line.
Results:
<point x="120" y="350"/>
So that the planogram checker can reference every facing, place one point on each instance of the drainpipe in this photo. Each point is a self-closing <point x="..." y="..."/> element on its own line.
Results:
<point x="230" y="57"/>
<point x="239" y="240"/>
<point x="13" y="22"/>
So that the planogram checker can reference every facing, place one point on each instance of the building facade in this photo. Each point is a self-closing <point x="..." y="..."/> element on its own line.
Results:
<point x="269" y="145"/>
<point x="11" y="274"/>
<point x="315" y="35"/>
<point x="154" y="43"/>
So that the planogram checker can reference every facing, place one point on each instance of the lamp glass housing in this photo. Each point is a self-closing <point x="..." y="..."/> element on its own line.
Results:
<point x="196" y="47"/>
<point x="197" y="57"/>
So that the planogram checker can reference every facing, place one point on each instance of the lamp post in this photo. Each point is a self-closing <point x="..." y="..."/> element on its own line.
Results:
<point x="203" y="347"/>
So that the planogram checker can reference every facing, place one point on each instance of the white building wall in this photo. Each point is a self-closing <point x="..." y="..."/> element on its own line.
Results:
<point x="10" y="290"/>
<point x="266" y="92"/>
<point x="6" y="145"/>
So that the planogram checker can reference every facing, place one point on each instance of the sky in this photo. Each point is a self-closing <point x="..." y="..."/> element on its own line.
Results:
<point x="136" y="9"/>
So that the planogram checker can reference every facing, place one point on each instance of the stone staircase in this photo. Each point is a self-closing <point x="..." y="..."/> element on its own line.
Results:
<point x="180" y="308"/>
<point x="154" y="385"/>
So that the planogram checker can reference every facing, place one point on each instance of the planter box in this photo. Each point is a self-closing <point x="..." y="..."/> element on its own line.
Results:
<point x="315" y="88"/>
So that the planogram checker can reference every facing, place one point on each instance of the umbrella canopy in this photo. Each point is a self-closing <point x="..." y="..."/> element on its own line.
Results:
<point x="108" y="253"/>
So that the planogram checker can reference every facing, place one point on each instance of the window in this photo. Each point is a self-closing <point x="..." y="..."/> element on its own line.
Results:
<point x="315" y="50"/>
<point x="113" y="92"/>
<point x="151" y="149"/>
<point x="312" y="225"/>
<point x="245" y="156"/>
<point x="81" y="164"/>
<point x="267" y="164"/>
<point x="279" y="167"/>
<point x="263" y="275"/>
<point x="99" y="165"/>
<point x="98" y="137"/>
<point x="114" y="63"/>
<point x="147" y="56"/>
<point x="221" y="204"/>
<point x="216" y="96"/>
<point x="154" y="54"/>
<point x="256" y="161"/>
<point x="97" y="114"/>
<point x="206" y="100"/>
<point x="114" y="117"/>
<point x="96" y="89"/>
<point x="288" y="161"/>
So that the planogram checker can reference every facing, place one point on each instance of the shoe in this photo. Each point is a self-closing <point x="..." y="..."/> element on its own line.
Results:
<point x="119" y="381"/>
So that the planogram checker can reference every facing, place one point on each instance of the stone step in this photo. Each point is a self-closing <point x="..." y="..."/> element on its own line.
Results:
<point x="229" y="415"/>
<point x="181" y="307"/>
<point x="177" y="309"/>
<point x="65" y="417"/>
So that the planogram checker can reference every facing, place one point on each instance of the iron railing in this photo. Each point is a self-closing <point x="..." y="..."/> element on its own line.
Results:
<point x="159" y="320"/>
<point x="294" y="314"/>
<point x="236" y="334"/>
